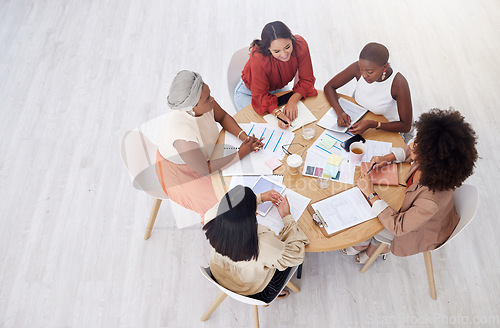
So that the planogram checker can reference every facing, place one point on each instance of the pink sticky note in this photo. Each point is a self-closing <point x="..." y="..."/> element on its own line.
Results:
<point x="273" y="163"/>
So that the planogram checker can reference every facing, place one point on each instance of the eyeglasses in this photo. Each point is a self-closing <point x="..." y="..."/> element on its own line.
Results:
<point x="286" y="151"/>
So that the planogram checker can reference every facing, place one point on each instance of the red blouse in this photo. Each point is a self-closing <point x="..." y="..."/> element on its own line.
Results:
<point x="266" y="73"/>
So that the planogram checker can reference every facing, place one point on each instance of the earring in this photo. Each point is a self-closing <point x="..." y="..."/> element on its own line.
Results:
<point x="383" y="74"/>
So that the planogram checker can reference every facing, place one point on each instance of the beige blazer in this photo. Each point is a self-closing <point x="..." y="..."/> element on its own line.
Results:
<point x="275" y="253"/>
<point x="424" y="222"/>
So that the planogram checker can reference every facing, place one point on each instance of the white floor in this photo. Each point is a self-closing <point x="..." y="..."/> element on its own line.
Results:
<point x="74" y="75"/>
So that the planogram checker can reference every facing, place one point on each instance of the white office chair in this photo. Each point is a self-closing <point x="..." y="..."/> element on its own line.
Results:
<point x="466" y="199"/>
<point x="138" y="154"/>
<point x="244" y="299"/>
<point x="236" y="64"/>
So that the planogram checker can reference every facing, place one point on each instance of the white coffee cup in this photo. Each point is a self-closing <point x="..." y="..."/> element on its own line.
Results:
<point x="294" y="162"/>
<point x="356" y="152"/>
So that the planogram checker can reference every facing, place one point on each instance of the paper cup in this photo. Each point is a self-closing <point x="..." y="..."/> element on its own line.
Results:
<point x="294" y="162"/>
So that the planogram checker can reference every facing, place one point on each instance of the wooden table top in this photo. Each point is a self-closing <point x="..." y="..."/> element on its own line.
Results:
<point x="308" y="187"/>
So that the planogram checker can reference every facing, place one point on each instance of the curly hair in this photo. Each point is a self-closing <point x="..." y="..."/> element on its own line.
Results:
<point x="446" y="149"/>
<point x="271" y="32"/>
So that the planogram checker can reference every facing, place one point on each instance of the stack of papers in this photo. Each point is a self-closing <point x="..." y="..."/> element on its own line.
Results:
<point x="327" y="156"/>
<point x="304" y="117"/>
<point x="255" y="163"/>
<point x="329" y="120"/>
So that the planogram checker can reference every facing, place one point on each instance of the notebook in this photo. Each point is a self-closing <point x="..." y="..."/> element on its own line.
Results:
<point x="387" y="175"/>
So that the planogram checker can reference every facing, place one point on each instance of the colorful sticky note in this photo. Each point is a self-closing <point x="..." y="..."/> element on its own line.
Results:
<point x="328" y="142"/>
<point x="335" y="159"/>
<point x="273" y="163"/>
<point x="332" y="169"/>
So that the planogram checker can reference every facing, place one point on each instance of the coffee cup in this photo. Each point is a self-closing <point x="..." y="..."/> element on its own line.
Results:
<point x="294" y="162"/>
<point x="356" y="152"/>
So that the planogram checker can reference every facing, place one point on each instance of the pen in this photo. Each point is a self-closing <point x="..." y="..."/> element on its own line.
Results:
<point x="371" y="168"/>
<point x="321" y="218"/>
<point x="282" y="120"/>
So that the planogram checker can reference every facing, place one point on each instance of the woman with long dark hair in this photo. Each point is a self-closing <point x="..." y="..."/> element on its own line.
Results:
<point x="249" y="258"/>
<point x="274" y="61"/>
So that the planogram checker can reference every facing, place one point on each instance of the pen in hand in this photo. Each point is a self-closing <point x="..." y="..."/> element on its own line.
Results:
<point x="282" y="120"/>
<point x="371" y="168"/>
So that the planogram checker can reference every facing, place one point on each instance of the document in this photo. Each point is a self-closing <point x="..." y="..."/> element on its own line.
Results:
<point x="304" y="117"/>
<point x="344" y="210"/>
<point x="329" y="120"/>
<point x="274" y="138"/>
<point x="298" y="204"/>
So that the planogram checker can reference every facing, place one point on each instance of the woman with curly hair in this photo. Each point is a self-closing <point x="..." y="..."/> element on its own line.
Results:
<point x="443" y="156"/>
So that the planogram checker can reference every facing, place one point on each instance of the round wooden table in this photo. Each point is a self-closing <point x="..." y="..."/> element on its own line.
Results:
<point x="308" y="187"/>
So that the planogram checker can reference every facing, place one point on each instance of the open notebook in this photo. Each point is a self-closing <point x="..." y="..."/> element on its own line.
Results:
<point x="329" y="120"/>
<point x="304" y="117"/>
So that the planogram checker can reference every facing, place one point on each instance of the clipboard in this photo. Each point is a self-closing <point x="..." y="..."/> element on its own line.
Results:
<point x="321" y="227"/>
<point x="320" y="222"/>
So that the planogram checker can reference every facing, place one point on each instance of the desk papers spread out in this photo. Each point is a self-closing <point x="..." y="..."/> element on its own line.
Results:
<point x="304" y="117"/>
<point x="344" y="210"/>
<point x="255" y="163"/>
<point x="329" y="120"/>
<point x="273" y="220"/>
<point x="318" y="156"/>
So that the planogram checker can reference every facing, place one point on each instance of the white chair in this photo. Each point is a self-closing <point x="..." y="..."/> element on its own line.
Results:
<point x="244" y="299"/>
<point x="236" y="64"/>
<point x="466" y="199"/>
<point x="138" y="154"/>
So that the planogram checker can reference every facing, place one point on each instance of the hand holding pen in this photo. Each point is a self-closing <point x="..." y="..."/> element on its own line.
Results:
<point x="377" y="162"/>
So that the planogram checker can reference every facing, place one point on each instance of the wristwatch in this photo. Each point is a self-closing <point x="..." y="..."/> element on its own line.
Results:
<point x="370" y="196"/>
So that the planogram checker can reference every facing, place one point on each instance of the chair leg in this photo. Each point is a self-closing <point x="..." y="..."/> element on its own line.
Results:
<point x="256" y="316"/>
<point x="430" y="274"/>
<point x="374" y="256"/>
<point x="152" y="218"/>
<point x="299" y="271"/>
<point x="214" y="306"/>
<point x="292" y="287"/>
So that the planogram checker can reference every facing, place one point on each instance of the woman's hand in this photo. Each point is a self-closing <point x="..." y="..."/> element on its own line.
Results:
<point x="283" y="206"/>
<point x="365" y="183"/>
<point x="379" y="161"/>
<point x="284" y="118"/>
<point x="343" y="119"/>
<point x="249" y="145"/>
<point x="362" y="126"/>
<point x="271" y="196"/>
<point x="291" y="111"/>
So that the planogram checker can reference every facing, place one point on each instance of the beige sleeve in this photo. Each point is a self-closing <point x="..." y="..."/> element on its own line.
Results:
<point x="295" y="241"/>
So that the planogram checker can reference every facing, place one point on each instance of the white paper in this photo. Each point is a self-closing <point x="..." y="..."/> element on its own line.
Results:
<point x="250" y="180"/>
<point x="274" y="138"/>
<point x="329" y="120"/>
<point x="304" y="117"/>
<point x="376" y="148"/>
<point x="252" y="164"/>
<point x="298" y="204"/>
<point x="344" y="210"/>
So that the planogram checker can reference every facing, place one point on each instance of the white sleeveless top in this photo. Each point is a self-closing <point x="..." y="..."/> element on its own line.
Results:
<point x="179" y="125"/>
<point x="377" y="98"/>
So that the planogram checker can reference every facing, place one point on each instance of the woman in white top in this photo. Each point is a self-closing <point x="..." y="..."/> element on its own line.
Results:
<point x="187" y="140"/>
<point x="379" y="89"/>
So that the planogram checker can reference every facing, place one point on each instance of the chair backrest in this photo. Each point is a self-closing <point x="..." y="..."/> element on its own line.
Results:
<point x="138" y="154"/>
<point x="236" y="65"/>
<point x="244" y="299"/>
<point x="466" y="199"/>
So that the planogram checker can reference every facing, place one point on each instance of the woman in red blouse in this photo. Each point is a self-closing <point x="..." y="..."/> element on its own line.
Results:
<point x="274" y="61"/>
